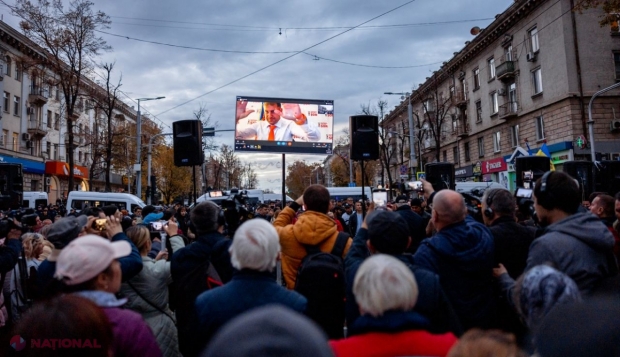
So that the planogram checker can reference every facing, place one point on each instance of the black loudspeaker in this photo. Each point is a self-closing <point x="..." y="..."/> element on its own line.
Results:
<point x="538" y="165"/>
<point x="11" y="186"/>
<point x="187" y="141"/>
<point x="440" y="175"/>
<point x="364" y="131"/>
<point x="607" y="177"/>
<point x="582" y="171"/>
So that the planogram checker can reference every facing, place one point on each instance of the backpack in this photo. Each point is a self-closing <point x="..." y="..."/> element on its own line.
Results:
<point x="321" y="279"/>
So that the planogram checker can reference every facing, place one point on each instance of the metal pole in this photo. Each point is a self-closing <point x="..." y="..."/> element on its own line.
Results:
<point x="350" y="171"/>
<point x="283" y="181"/>
<point x="412" y="161"/>
<point x="194" y="180"/>
<point x="591" y="121"/>
<point x="138" y="153"/>
<point x="150" y="152"/>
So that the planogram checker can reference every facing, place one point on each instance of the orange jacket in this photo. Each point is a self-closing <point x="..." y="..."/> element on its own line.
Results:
<point x="311" y="228"/>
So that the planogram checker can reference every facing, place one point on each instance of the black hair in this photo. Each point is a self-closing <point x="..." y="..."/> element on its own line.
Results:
<point x="561" y="192"/>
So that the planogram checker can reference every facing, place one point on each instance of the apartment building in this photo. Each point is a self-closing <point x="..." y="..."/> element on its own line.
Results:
<point x="33" y="125"/>
<point x="525" y="80"/>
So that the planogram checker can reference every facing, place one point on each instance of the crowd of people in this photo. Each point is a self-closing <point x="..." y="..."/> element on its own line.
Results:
<point x="418" y="276"/>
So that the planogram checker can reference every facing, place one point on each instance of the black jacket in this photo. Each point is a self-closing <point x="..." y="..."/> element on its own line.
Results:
<point x="353" y="224"/>
<point x="512" y="243"/>
<point x="211" y="246"/>
<point x="9" y="253"/>
<point x="417" y="228"/>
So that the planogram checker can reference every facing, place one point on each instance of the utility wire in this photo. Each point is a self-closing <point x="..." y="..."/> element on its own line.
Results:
<point x="287" y="57"/>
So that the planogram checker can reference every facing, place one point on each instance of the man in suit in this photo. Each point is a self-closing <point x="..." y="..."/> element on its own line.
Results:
<point x="272" y="128"/>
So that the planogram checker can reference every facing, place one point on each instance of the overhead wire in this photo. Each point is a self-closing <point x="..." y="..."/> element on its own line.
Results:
<point x="287" y="57"/>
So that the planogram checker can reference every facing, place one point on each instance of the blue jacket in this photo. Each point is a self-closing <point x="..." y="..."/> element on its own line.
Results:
<point x="432" y="302"/>
<point x="462" y="255"/>
<point x="248" y="289"/>
<point x="131" y="266"/>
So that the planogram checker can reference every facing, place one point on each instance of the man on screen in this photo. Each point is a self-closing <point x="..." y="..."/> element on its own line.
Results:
<point x="272" y="128"/>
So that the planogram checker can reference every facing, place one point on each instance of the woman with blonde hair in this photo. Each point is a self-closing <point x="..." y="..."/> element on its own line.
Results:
<point x="147" y="292"/>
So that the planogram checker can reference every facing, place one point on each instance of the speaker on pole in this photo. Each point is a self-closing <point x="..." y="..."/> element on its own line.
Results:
<point x="11" y="186"/>
<point x="607" y="177"/>
<point x="582" y="171"/>
<point x="537" y="165"/>
<point x="364" y="131"/>
<point x="440" y="175"/>
<point x="187" y="142"/>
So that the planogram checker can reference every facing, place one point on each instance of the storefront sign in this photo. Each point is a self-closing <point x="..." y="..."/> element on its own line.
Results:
<point x="59" y="168"/>
<point x="561" y="156"/>
<point x="495" y="165"/>
<point x="28" y="166"/>
<point x="463" y="172"/>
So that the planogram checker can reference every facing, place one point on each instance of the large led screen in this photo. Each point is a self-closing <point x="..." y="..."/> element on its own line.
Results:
<point x="279" y="125"/>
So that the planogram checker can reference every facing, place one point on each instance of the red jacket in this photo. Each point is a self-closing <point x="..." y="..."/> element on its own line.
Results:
<point x="406" y="343"/>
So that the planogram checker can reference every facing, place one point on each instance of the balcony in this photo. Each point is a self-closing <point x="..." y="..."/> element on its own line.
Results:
<point x="37" y="129"/>
<point x="38" y="95"/>
<point x="506" y="70"/>
<point x="459" y="98"/>
<point x="462" y="129"/>
<point x="76" y="140"/>
<point x="509" y="110"/>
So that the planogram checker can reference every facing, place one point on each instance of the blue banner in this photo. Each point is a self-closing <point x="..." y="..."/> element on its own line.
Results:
<point x="28" y="166"/>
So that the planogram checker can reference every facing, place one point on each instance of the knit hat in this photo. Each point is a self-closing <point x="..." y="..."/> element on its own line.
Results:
<point x="388" y="232"/>
<point x="269" y="331"/>
<point x="65" y="230"/>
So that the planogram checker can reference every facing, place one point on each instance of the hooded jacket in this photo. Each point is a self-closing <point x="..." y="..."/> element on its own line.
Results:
<point x="311" y="228"/>
<point x="580" y="246"/>
<point x="462" y="255"/>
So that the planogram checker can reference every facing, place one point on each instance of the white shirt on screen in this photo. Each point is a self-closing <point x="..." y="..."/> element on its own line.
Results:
<point x="284" y="131"/>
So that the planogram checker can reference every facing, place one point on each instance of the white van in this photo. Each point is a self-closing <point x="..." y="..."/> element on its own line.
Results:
<point x="80" y="199"/>
<point x="216" y="197"/>
<point x="33" y="199"/>
<point x="469" y="187"/>
<point x="342" y="193"/>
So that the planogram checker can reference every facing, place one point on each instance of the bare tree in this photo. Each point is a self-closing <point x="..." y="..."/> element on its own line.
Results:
<point x="105" y="102"/>
<point x="67" y="37"/>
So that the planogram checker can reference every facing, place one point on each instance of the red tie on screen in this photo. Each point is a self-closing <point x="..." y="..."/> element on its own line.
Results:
<point x="272" y="133"/>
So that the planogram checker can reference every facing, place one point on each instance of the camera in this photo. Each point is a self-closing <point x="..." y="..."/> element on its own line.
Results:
<point x="158" y="226"/>
<point x="525" y="202"/>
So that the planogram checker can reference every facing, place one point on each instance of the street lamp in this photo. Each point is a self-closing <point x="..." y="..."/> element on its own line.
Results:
<point x="138" y="166"/>
<point x="412" y="160"/>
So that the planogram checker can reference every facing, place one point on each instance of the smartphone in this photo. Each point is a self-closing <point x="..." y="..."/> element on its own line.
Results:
<point x="99" y="224"/>
<point x="157" y="226"/>
<point x="379" y="198"/>
<point x="416" y="186"/>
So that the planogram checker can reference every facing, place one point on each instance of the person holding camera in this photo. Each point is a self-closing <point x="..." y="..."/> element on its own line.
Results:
<point x="147" y="292"/>
<point x="577" y="244"/>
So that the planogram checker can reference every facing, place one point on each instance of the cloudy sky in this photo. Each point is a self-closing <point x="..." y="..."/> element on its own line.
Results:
<point x="391" y="51"/>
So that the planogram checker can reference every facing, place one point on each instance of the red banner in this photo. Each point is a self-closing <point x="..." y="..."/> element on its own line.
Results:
<point x="59" y="168"/>
<point x="495" y="165"/>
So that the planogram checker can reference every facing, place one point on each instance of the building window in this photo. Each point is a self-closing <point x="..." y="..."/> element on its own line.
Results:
<point x="476" y="78"/>
<point x="467" y="154"/>
<point x="508" y="53"/>
<point x="617" y="64"/>
<point x="79" y="156"/>
<point x="6" y="102"/>
<point x="514" y="135"/>
<point x="480" y="147"/>
<point x="56" y="121"/>
<point x="478" y="111"/>
<point x="55" y="151"/>
<point x="15" y="142"/>
<point x="540" y="128"/>
<point x="49" y="150"/>
<point x="534" y="45"/>
<point x="15" y="105"/>
<point x="497" y="147"/>
<point x="494" y="103"/>
<point x="537" y="80"/>
<point x="491" y="66"/>
<point x="455" y="155"/>
<point x="49" y="119"/>
<point x="57" y="93"/>
<point x="445" y="156"/>
<point x="18" y="72"/>
<point x="5" y="135"/>
<point x="7" y="70"/>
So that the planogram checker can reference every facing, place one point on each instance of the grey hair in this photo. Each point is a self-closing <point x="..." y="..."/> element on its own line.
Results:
<point x="384" y="283"/>
<point x="255" y="246"/>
